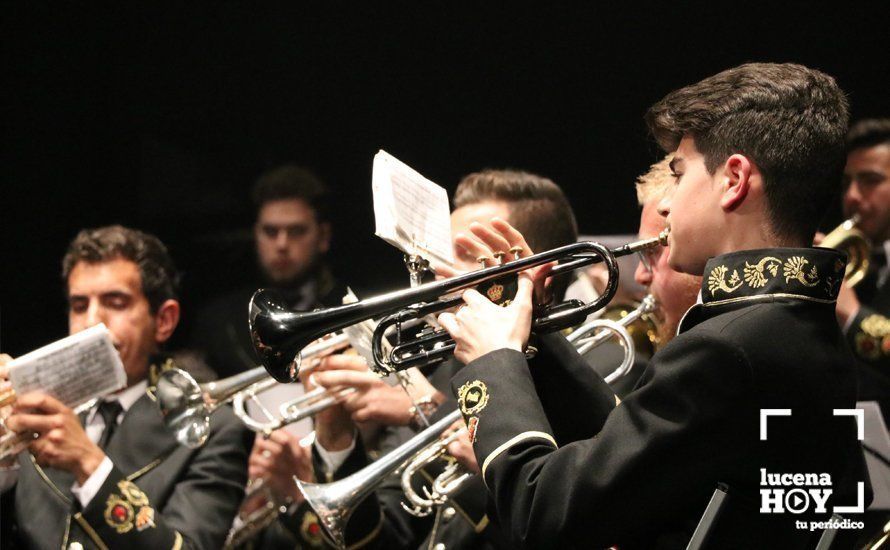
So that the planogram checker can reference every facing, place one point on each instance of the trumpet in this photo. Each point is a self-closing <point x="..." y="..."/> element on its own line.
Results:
<point x="13" y="443"/>
<point x="335" y="502"/>
<point x="847" y="238"/>
<point x="278" y="333"/>
<point x="186" y="405"/>
<point x="598" y="331"/>
<point x="289" y="412"/>
<point x="266" y="512"/>
<point x="445" y="484"/>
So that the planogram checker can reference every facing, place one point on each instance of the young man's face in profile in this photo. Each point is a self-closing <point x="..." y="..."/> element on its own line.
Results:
<point x="289" y="240"/>
<point x="693" y="211"/>
<point x="111" y="293"/>
<point x="867" y="190"/>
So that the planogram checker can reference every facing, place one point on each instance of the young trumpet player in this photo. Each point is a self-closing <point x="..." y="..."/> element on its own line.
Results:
<point x="757" y="152"/>
<point x="538" y="206"/>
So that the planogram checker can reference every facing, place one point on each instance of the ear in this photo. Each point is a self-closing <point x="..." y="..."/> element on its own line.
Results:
<point x="736" y="181"/>
<point x="324" y="242"/>
<point x="166" y="320"/>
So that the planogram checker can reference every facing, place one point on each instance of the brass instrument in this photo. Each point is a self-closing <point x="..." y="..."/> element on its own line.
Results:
<point x="266" y="512"/>
<point x="600" y="330"/>
<point x="644" y="330"/>
<point x="289" y="412"/>
<point x="278" y="333"/>
<point x="445" y="483"/>
<point x="335" y="502"/>
<point x="13" y="443"/>
<point x="847" y="238"/>
<point x="186" y="405"/>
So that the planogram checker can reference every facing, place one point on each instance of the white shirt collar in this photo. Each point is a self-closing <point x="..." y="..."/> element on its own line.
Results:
<point x="887" y="248"/>
<point x="126" y="397"/>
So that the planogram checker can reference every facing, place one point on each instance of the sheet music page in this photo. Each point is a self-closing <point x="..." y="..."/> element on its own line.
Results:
<point x="74" y="369"/>
<point x="411" y="212"/>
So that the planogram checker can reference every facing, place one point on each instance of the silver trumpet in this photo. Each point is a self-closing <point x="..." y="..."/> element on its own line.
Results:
<point x="266" y="512"/>
<point x="186" y="405"/>
<point x="289" y="412"/>
<point x="335" y="502"/>
<point x="445" y="484"/>
<point x="594" y="333"/>
<point x="277" y="331"/>
<point x="12" y="443"/>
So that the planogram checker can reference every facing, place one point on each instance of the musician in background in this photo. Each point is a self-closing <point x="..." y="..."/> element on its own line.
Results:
<point x="674" y="292"/>
<point x="537" y="205"/>
<point x="748" y="144"/>
<point x="864" y="312"/>
<point x="116" y="477"/>
<point x="292" y="234"/>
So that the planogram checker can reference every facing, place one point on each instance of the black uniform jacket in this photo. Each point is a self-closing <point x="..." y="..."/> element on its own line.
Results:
<point x="158" y="495"/>
<point x="221" y="332"/>
<point x="380" y="522"/>
<point x="765" y="337"/>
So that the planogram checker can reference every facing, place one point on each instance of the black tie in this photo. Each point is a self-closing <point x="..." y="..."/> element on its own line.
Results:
<point x="109" y="411"/>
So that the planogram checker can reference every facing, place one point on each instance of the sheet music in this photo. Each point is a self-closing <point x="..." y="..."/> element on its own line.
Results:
<point x="411" y="212"/>
<point x="74" y="370"/>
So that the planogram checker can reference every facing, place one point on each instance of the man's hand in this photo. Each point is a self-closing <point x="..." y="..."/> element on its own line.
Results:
<point x="462" y="450"/>
<point x="6" y="410"/>
<point x="373" y="400"/>
<point x="847" y="304"/>
<point x="277" y="460"/>
<point x="480" y="326"/>
<point x="62" y="442"/>
<point x="334" y="428"/>
<point x="502" y="237"/>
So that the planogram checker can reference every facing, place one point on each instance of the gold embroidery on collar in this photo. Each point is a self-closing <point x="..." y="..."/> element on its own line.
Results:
<point x="794" y="268"/>
<point x="754" y="275"/>
<point x="716" y="281"/>
<point x="757" y="275"/>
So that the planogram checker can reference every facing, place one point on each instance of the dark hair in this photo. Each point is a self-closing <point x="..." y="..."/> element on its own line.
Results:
<point x="292" y="182"/>
<point x="538" y="209"/>
<point x="789" y="119"/>
<point x="869" y="133"/>
<point x="160" y="280"/>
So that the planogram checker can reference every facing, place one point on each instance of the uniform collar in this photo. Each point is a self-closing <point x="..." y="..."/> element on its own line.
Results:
<point x="126" y="397"/>
<point x="813" y="274"/>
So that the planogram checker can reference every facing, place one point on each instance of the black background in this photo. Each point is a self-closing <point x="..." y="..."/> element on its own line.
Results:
<point x="160" y="116"/>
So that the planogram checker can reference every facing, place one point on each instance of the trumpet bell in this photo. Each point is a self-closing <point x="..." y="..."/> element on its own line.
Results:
<point x="181" y="402"/>
<point x="276" y="334"/>
<point x="850" y="240"/>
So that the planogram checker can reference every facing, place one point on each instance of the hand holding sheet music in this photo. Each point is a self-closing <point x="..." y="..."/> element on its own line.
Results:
<point x="74" y="369"/>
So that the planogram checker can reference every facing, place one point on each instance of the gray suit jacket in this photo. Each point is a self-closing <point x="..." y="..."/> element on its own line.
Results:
<point x="158" y="495"/>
